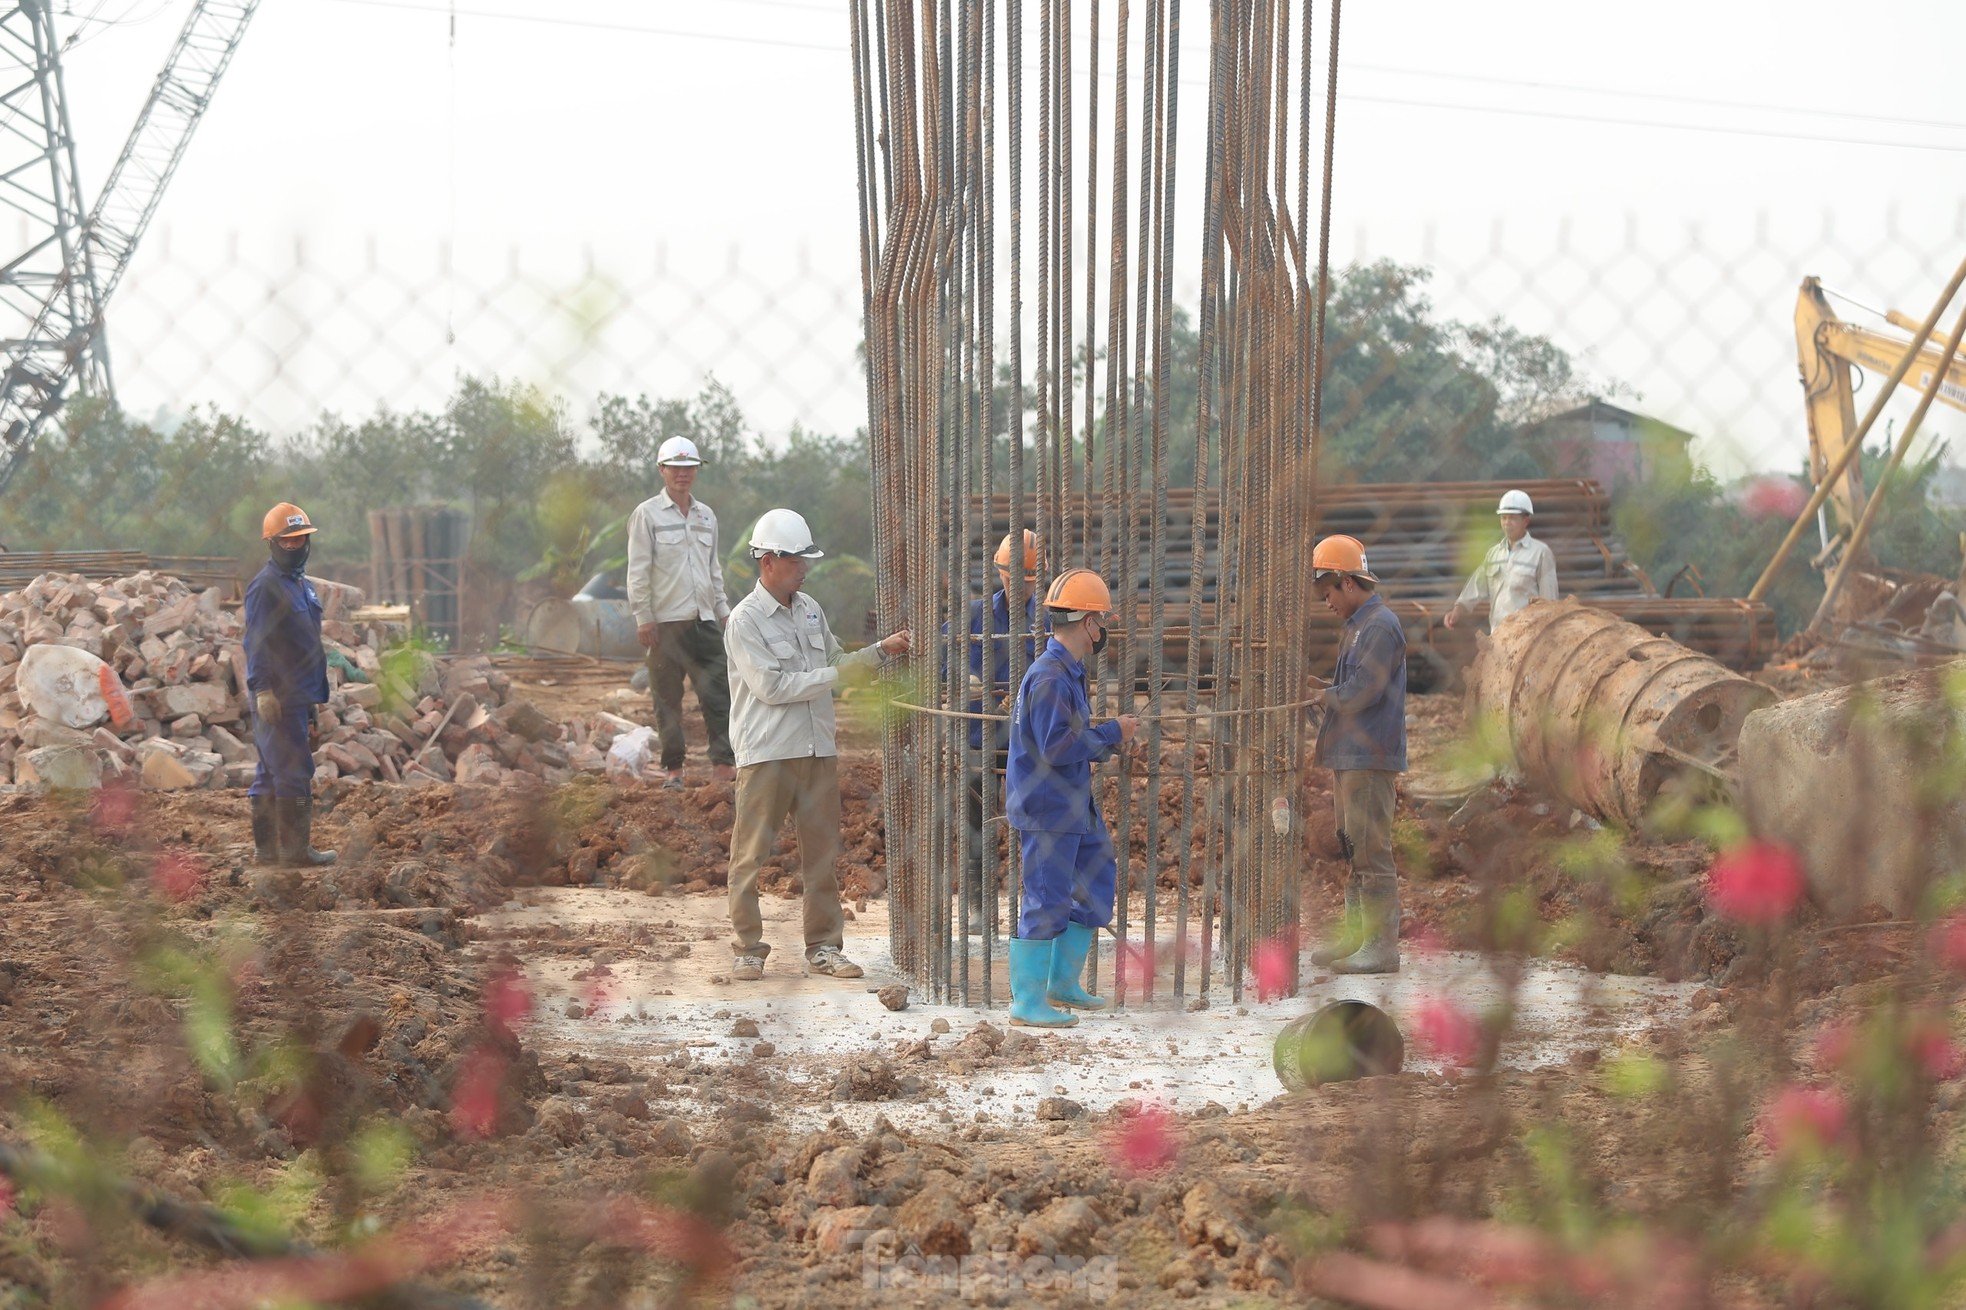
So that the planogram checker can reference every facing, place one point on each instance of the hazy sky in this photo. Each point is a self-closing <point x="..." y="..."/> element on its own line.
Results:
<point x="1690" y="154"/>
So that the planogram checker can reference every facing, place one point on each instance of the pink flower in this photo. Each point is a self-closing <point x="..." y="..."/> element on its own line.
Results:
<point x="113" y="811"/>
<point x="1949" y="942"/>
<point x="474" y="1102"/>
<point x="1836" y="1045"/>
<point x="1801" y="1119"/>
<point x="508" y="1001"/>
<point x="1145" y="1142"/>
<point x="178" y="876"/>
<point x="597" y="996"/>
<point x="1426" y="941"/>
<point x="1136" y="966"/>
<point x="1273" y="962"/>
<point x="1759" y="883"/>
<point x="1773" y="497"/>
<point x="1443" y="1029"/>
<point x="1933" y="1049"/>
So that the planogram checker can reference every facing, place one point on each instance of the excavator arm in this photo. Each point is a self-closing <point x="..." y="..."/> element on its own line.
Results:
<point x="1826" y="349"/>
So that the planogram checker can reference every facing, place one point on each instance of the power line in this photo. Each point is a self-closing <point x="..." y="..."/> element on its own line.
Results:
<point x="1662" y="97"/>
<point x="1610" y="120"/>
<point x="601" y="25"/>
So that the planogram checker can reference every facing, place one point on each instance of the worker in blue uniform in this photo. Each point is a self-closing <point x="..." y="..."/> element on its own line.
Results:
<point x="287" y="673"/>
<point x="990" y="637"/>
<point x="1069" y="867"/>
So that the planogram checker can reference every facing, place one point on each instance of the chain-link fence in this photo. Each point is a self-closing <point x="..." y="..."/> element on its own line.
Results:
<point x="365" y="373"/>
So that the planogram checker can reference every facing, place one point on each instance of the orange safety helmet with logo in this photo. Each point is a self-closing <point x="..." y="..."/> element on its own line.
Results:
<point x="1076" y="593"/>
<point x="1005" y="550"/>
<point x="1344" y="555"/>
<point x="286" y="520"/>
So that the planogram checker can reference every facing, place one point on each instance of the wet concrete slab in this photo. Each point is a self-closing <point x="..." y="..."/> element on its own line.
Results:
<point x="643" y="1012"/>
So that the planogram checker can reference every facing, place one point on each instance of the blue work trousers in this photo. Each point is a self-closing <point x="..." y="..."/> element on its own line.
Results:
<point x="286" y="765"/>
<point x="1068" y="878"/>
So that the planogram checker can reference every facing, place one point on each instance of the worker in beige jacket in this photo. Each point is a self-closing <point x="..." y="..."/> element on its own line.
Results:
<point x="676" y="590"/>
<point x="1516" y="570"/>
<point x="784" y="665"/>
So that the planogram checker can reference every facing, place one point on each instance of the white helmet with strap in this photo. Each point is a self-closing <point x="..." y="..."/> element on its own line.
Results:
<point x="783" y="532"/>
<point x="1515" y="502"/>
<point x="679" y="452"/>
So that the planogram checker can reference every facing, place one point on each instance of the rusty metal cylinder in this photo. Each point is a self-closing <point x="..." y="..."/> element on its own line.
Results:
<point x="1600" y="713"/>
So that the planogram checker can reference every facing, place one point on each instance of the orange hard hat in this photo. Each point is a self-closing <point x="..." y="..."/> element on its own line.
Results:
<point x="1079" y="591"/>
<point x="1030" y="553"/>
<point x="1340" y="555"/>
<point x="286" y="520"/>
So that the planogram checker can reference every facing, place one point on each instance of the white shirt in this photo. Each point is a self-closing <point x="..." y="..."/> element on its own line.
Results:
<point x="1511" y="575"/>
<point x="784" y="664"/>
<point x="675" y="573"/>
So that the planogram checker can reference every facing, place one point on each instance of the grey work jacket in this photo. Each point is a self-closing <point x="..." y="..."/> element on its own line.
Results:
<point x="784" y="664"/>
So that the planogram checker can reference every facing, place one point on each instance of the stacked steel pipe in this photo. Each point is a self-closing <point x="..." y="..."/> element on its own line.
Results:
<point x="948" y="145"/>
<point x="1423" y="539"/>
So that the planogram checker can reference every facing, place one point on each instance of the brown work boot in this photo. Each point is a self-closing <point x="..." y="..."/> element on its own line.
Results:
<point x="747" y="968"/>
<point x="830" y="961"/>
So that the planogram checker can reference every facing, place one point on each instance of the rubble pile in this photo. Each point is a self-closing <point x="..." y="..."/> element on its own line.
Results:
<point x="172" y="710"/>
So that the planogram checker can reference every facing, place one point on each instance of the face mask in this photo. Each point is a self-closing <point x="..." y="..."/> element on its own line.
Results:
<point x="293" y="561"/>
<point x="1099" y="642"/>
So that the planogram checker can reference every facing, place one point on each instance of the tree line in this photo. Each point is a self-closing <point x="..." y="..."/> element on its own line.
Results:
<point x="1411" y="395"/>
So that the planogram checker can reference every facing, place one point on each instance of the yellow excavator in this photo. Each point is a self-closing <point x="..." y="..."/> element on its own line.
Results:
<point x="1827" y="347"/>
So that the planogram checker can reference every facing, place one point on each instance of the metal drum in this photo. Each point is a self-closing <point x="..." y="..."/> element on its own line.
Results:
<point x="1342" y="1041"/>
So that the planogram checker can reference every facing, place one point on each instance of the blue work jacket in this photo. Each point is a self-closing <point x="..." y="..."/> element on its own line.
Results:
<point x="1053" y="746"/>
<point x="1365" y="711"/>
<point x="284" y="654"/>
<point x="989" y="657"/>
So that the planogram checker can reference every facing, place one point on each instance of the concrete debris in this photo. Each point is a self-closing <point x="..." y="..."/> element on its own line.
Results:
<point x="177" y="656"/>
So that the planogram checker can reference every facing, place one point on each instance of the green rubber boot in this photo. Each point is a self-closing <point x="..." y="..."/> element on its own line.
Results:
<point x="1380" y="951"/>
<point x="1030" y="971"/>
<point x="1350" y="933"/>
<point x="1068" y="954"/>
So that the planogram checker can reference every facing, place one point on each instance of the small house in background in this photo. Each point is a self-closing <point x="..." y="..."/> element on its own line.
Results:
<point x="1613" y="445"/>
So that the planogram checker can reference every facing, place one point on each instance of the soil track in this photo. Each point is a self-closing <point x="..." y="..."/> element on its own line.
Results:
<point x="245" y="1037"/>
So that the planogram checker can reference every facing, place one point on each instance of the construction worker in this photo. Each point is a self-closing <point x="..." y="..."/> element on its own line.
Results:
<point x="1069" y="866"/>
<point x="990" y="632"/>
<point x="1362" y="740"/>
<point x="785" y="664"/>
<point x="287" y="673"/>
<point x="1516" y="570"/>
<point x="676" y="590"/>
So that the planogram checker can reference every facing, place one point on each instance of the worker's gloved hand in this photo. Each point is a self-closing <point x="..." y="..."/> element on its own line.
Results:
<point x="348" y="667"/>
<point x="1129" y="727"/>
<point x="897" y="643"/>
<point x="267" y="706"/>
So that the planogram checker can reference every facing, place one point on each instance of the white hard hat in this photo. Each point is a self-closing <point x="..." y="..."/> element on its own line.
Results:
<point x="1515" y="502"/>
<point x="679" y="451"/>
<point x="783" y="532"/>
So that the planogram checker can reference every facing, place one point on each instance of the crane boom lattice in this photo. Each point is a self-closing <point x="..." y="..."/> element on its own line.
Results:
<point x="56" y="291"/>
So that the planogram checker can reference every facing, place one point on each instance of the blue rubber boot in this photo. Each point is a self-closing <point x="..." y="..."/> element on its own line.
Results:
<point x="1030" y="969"/>
<point x="1068" y="967"/>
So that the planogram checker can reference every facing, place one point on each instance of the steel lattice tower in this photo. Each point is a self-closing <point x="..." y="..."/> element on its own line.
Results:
<point x="70" y="259"/>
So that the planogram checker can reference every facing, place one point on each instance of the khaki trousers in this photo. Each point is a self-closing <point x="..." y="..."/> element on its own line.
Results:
<point x="809" y="791"/>
<point x="1363" y="803"/>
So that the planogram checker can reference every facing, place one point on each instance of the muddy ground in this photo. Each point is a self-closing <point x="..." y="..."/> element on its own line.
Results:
<point x="488" y="1022"/>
